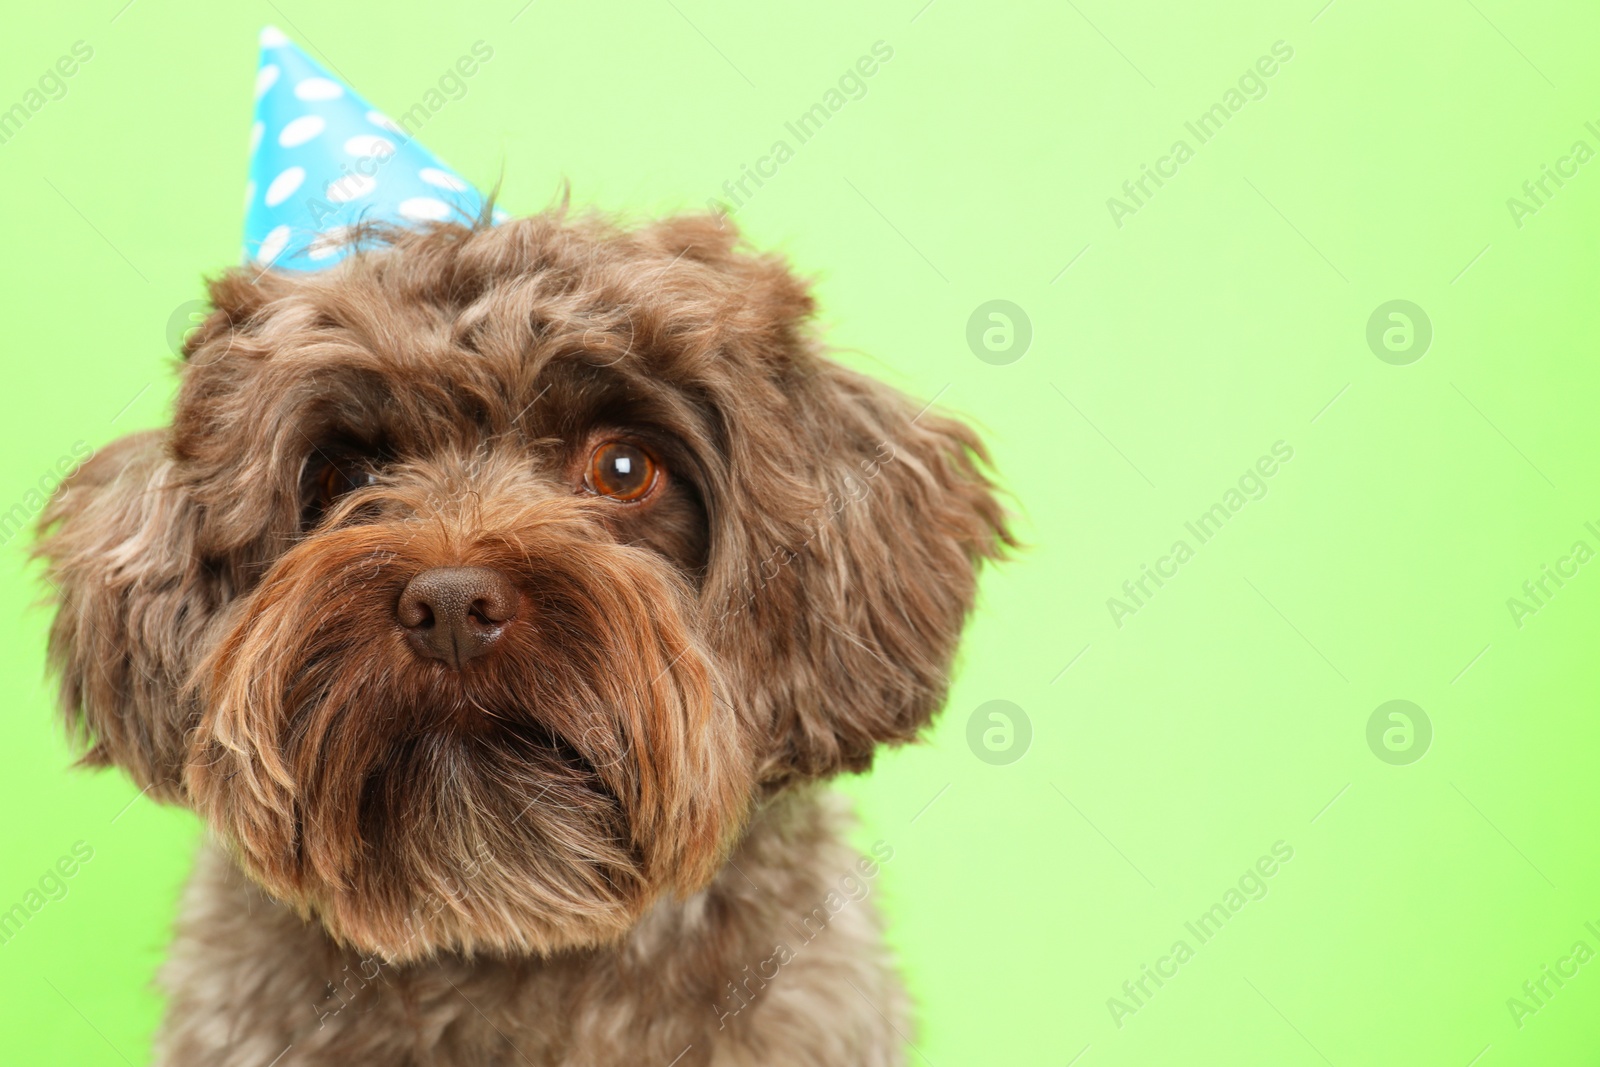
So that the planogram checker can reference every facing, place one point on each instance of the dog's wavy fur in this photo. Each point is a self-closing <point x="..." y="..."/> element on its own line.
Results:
<point x="565" y="851"/>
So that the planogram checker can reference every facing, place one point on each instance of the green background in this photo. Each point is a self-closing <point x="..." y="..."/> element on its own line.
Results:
<point x="1228" y="313"/>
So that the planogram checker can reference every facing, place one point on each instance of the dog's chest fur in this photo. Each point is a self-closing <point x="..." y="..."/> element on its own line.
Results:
<point x="770" y="965"/>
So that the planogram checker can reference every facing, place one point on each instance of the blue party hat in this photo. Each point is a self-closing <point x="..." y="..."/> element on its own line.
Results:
<point x="323" y="159"/>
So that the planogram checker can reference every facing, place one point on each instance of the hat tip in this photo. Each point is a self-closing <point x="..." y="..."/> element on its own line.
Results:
<point x="272" y="37"/>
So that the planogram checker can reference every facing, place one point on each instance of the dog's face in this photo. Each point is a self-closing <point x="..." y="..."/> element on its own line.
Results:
<point x="484" y="582"/>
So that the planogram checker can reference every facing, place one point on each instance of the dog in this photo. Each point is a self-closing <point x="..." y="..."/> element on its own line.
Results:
<point x="502" y="600"/>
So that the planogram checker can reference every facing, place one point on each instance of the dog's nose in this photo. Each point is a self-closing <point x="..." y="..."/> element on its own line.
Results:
<point x="456" y="614"/>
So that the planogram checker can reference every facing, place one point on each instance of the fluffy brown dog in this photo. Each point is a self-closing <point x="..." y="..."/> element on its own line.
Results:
<point x="498" y="598"/>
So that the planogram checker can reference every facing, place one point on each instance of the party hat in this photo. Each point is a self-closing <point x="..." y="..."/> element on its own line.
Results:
<point x="323" y="159"/>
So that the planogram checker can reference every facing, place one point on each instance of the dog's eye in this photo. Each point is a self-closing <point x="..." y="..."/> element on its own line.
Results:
<point x="622" y="471"/>
<point x="334" y="478"/>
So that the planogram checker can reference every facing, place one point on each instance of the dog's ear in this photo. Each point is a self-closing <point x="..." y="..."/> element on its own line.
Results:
<point x="858" y="606"/>
<point x="757" y="292"/>
<point x="237" y="296"/>
<point x="847" y="542"/>
<point x="131" y="604"/>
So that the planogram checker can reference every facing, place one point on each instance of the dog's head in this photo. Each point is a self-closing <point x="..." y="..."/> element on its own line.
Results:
<point x="482" y="583"/>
